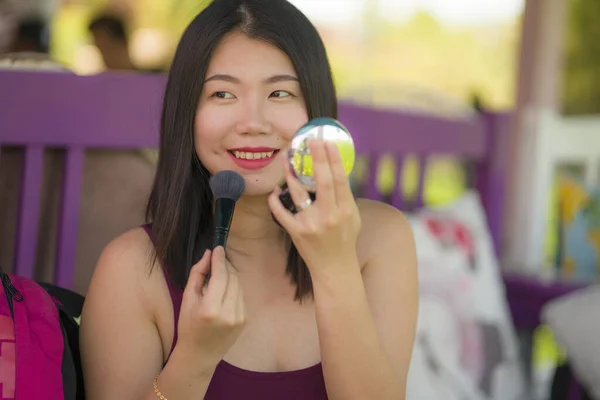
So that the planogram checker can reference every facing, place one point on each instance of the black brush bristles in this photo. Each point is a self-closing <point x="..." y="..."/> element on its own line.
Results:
<point x="227" y="185"/>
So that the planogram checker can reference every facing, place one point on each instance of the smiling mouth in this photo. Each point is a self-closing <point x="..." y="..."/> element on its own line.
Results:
<point x="253" y="155"/>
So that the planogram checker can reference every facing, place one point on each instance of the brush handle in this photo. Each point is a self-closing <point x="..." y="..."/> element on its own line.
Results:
<point x="223" y="215"/>
<point x="220" y="238"/>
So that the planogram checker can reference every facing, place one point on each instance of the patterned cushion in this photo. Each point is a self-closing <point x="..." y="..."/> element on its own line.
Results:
<point x="466" y="347"/>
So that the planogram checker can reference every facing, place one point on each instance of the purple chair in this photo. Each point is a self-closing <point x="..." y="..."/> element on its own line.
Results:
<point x="40" y="110"/>
<point x="48" y="110"/>
<point x="121" y="111"/>
<point x="479" y="139"/>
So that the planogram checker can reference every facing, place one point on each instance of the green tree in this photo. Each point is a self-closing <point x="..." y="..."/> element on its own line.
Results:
<point x="426" y="54"/>
<point x="581" y="73"/>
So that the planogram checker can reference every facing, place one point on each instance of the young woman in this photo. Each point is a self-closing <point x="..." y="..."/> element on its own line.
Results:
<point x="324" y="308"/>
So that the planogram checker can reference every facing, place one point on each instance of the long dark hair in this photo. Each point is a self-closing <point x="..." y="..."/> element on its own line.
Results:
<point x="180" y="204"/>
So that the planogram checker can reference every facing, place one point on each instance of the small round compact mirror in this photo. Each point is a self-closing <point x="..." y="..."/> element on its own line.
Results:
<point x="326" y="129"/>
<point x="300" y="159"/>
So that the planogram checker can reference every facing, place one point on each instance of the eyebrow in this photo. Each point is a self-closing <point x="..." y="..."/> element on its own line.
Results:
<point x="281" y="78"/>
<point x="272" y="79"/>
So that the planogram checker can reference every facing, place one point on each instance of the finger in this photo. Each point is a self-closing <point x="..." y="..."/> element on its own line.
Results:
<point x="341" y="183"/>
<point x="282" y="215"/>
<point x="297" y="192"/>
<point x="217" y="285"/>
<point x="198" y="273"/>
<point x="322" y="174"/>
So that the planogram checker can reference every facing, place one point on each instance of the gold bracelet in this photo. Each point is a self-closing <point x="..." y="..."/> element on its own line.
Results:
<point x="155" y="386"/>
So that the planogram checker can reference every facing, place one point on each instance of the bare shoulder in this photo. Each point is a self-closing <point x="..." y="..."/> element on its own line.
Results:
<point x="126" y="261"/>
<point x="124" y="272"/>
<point x="120" y="342"/>
<point x="390" y="277"/>
<point x="383" y="227"/>
<point x="130" y="245"/>
<point x="378" y="215"/>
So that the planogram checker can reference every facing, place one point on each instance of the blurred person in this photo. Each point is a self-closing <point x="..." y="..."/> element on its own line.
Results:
<point x="31" y="36"/>
<point x="314" y="305"/>
<point x="110" y="37"/>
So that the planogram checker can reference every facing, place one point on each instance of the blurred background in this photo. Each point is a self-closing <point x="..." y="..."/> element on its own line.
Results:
<point x="431" y="56"/>
<point x="383" y="51"/>
<point x="534" y="62"/>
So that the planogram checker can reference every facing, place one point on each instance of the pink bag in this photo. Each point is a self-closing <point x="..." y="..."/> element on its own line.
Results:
<point x="36" y="359"/>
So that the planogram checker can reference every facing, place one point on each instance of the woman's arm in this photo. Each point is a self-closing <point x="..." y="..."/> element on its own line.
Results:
<point x="121" y="347"/>
<point x="367" y="323"/>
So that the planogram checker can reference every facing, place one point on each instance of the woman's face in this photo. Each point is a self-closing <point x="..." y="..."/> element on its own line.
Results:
<point x="249" y="110"/>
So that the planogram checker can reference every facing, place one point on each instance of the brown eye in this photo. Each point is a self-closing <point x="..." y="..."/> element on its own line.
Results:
<point x="223" y="95"/>
<point x="280" y="94"/>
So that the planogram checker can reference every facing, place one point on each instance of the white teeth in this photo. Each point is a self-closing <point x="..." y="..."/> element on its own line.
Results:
<point x="244" y="155"/>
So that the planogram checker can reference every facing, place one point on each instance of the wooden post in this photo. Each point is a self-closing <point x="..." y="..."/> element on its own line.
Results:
<point x="537" y="94"/>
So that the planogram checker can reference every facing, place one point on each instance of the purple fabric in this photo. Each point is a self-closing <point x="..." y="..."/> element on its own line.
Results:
<point x="526" y="298"/>
<point x="231" y="382"/>
<point x="39" y="343"/>
<point x="528" y="295"/>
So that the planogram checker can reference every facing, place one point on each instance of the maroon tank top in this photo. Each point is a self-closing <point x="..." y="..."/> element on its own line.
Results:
<point x="231" y="382"/>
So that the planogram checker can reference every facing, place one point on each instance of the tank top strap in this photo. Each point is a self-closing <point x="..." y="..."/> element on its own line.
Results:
<point x="175" y="293"/>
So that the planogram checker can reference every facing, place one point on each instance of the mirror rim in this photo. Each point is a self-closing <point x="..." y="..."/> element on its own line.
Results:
<point x="305" y="132"/>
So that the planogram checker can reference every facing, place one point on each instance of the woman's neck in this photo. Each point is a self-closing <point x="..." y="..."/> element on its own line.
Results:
<point x="253" y="227"/>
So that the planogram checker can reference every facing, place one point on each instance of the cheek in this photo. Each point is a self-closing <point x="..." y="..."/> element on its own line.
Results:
<point x="210" y="128"/>
<point x="289" y="122"/>
<point x="208" y="135"/>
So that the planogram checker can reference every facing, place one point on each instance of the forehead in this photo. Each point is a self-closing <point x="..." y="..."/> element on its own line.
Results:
<point x="241" y="56"/>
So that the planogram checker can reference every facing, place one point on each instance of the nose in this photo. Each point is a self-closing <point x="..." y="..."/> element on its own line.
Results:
<point x="251" y="120"/>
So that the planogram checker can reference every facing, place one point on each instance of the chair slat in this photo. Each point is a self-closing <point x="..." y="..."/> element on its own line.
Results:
<point x="29" y="211"/>
<point x="397" y="198"/>
<point x="373" y="171"/>
<point x="420" y="188"/>
<point x="64" y="271"/>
